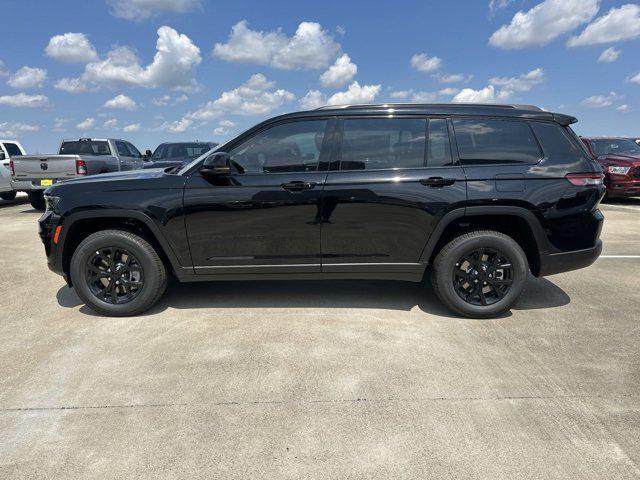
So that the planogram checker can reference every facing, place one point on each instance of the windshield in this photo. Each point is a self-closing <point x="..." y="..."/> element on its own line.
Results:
<point x="86" y="147"/>
<point x="187" y="151"/>
<point x="616" y="146"/>
<point x="187" y="166"/>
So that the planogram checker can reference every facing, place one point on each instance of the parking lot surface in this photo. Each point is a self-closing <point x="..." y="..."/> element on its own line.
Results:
<point x="321" y="379"/>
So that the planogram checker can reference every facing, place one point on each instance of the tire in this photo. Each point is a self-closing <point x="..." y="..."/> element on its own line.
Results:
<point x="36" y="199"/>
<point x="449" y="275"/>
<point x="152" y="272"/>
<point x="8" y="196"/>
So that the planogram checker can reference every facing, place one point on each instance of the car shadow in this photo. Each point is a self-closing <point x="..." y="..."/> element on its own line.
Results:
<point x="14" y="202"/>
<point x="634" y="201"/>
<point x="539" y="293"/>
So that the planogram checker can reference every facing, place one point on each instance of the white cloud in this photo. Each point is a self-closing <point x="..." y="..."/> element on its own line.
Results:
<point x="610" y="55"/>
<point x="28" y="77"/>
<point x="310" y="48"/>
<point x="86" y="124"/>
<point x="340" y="73"/>
<point x="424" y="97"/>
<point x="134" y="127"/>
<point x="3" y="71"/>
<point x="72" y="85"/>
<point x="224" y="127"/>
<point x="600" y="101"/>
<point x="423" y="63"/>
<point x="174" y="66"/>
<point x="543" y="23"/>
<point x="452" y="77"/>
<point x="635" y="78"/>
<point x="111" y="123"/>
<point x="24" y="100"/>
<point x="624" y="108"/>
<point x="617" y="24"/>
<point x="312" y="100"/>
<point x="165" y="100"/>
<point x="178" y="126"/>
<point x="15" y="129"/>
<point x="523" y="83"/>
<point x="71" y="48"/>
<point x="449" y="91"/>
<point x="355" y="94"/>
<point x="59" y="124"/>
<point x="469" y="95"/>
<point x="257" y="96"/>
<point x="141" y="9"/>
<point x="495" y="5"/>
<point x="400" y="94"/>
<point x="121" y="102"/>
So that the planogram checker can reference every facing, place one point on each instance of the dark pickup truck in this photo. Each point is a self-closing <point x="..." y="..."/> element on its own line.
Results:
<point x="478" y="195"/>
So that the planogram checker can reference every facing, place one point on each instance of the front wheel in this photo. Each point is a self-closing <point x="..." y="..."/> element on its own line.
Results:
<point x="8" y="196"/>
<point x="117" y="273"/>
<point x="36" y="199"/>
<point x="480" y="274"/>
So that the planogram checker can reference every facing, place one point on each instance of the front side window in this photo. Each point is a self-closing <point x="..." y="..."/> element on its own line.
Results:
<point x="123" y="151"/>
<point x="288" y="147"/>
<point x="383" y="143"/>
<point x="86" y="147"/>
<point x="134" y="151"/>
<point x="495" y="141"/>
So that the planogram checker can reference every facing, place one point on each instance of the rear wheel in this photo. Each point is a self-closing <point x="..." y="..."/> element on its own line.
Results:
<point x="8" y="196"/>
<point x="118" y="273"/>
<point x="36" y="199"/>
<point x="480" y="274"/>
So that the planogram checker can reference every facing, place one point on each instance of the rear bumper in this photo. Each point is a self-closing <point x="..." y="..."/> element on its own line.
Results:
<point x="21" y="185"/>
<point x="553" y="263"/>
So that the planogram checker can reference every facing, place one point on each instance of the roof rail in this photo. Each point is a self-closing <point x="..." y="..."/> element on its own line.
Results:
<point x="423" y="105"/>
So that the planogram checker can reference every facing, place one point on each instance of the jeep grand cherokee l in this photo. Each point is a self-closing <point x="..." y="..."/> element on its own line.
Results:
<point x="479" y="194"/>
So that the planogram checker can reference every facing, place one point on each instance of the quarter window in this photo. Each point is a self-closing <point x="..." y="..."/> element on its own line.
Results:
<point x="289" y="147"/>
<point x="495" y="141"/>
<point x="373" y="144"/>
<point x="558" y="146"/>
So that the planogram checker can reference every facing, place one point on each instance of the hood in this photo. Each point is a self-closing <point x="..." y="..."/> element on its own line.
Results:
<point x="619" y="160"/>
<point x="154" y="178"/>
<point x="169" y="162"/>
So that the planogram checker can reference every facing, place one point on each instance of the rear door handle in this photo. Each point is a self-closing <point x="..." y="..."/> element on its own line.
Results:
<point x="437" y="181"/>
<point x="297" y="186"/>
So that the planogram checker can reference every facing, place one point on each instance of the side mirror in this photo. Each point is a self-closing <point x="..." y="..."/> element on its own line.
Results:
<point x="2" y="155"/>
<point x="217" y="165"/>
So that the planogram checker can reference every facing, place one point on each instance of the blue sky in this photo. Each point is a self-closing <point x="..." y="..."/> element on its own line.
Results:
<point x="159" y="70"/>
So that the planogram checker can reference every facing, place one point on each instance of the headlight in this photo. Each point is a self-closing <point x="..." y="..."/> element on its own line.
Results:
<point x="51" y="201"/>
<point x="619" y="170"/>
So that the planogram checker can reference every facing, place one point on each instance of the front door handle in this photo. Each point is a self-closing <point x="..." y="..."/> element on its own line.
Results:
<point x="437" y="181"/>
<point x="297" y="186"/>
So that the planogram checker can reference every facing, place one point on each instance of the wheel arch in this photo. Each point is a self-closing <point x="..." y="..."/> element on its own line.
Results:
<point x="517" y="222"/>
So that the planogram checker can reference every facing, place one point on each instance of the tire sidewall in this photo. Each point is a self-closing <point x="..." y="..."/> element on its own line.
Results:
<point x="150" y="278"/>
<point x="505" y="245"/>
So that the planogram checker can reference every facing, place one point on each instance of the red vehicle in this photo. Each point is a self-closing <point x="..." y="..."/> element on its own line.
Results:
<point x="620" y="160"/>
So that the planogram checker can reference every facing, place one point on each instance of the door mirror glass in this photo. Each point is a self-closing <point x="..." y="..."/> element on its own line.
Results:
<point x="217" y="164"/>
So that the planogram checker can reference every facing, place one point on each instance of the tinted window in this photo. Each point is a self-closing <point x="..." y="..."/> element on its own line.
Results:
<point x="557" y="145"/>
<point x="134" y="151"/>
<point x="615" y="146"/>
<point x="86" y="147"/>
<point x="12" y="149"/>
<point x="289" y="147"/>
<point x="438" y="146"/>
<point x="181" y="150"/>
<point x="123" y="151"/>
<point x="370" y="144"/>
<point x="495" y="141"/>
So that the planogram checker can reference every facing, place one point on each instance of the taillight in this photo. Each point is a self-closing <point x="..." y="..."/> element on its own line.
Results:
<point x="81" y="167"/>
<point x="12" y="168"/>
<point x="585" y="179"/>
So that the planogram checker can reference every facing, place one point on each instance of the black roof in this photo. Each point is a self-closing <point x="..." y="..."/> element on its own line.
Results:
<point x="472" y="109"/>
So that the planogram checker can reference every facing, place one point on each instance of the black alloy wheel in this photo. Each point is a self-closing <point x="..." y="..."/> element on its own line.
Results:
<point x="483" y="276"/>
<point x="114" y="275"/>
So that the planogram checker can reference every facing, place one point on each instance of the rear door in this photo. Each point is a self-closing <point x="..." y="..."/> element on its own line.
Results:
<point x="391" y="180"/>
<point x="263" y="218"/>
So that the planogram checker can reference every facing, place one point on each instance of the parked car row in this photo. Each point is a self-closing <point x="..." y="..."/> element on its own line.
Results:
<point x="81" y="157"/>
<point x="620" y="160"/>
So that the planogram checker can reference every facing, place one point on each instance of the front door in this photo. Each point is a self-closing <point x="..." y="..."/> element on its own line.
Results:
<point x="263" y="218"/>
<point x="125" y="157"/>
<point x="391" y="180"/>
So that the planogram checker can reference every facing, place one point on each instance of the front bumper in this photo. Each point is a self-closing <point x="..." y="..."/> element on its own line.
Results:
<point x="47" y="225"/>
<point x="622" y="185"/>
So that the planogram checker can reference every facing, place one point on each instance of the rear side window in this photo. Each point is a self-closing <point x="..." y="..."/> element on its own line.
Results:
<point x="86" y="147"/>
<point x="438" y="146"/>
<point x="382" y="143"/>
<point x="485" y="141"/>
<point x="12" y="149"/>
<point x="557" y="145"/>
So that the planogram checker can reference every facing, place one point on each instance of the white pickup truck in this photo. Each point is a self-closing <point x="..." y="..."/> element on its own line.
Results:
<point x="8" y="149"/>
<point x="84" y="156"/>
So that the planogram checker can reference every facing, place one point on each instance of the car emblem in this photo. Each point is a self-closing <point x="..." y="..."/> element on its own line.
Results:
<point x="44" y="166"/>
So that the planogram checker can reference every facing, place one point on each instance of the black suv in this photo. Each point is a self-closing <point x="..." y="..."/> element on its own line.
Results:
<point x="479" y="194"/>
